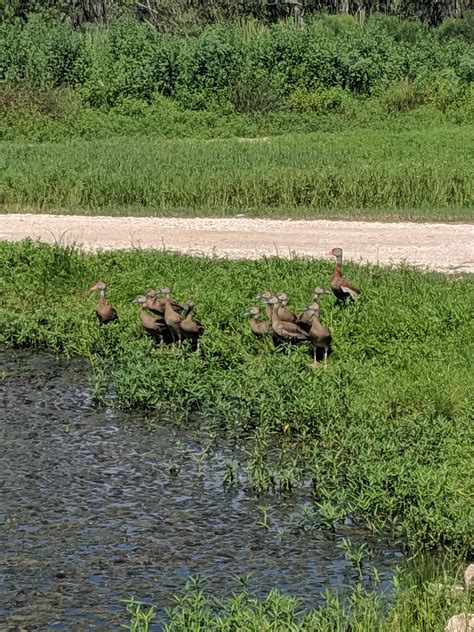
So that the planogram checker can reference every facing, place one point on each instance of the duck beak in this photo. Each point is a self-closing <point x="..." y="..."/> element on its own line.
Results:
<point x="329" y="254"/>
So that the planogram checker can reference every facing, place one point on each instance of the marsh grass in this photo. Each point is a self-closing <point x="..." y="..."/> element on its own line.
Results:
<point x="416" y="173"/>
<point x="423" y="597"/>
<point x="383" y="436"/>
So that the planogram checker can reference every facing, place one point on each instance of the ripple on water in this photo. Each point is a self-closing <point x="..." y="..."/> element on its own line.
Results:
<point x="92" y="515"/>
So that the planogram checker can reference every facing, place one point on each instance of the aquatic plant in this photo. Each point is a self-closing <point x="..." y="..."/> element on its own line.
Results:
<point x="423" y="599"/>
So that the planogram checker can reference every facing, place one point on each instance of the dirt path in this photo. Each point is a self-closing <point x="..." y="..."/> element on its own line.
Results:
<point x="447" y="247"/>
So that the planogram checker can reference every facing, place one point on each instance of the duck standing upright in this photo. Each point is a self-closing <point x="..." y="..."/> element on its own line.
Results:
<point x="319" y="335"/>
<point x="341" y="287"/>
<point x="190" y="327"/>
<point x="105" y="313"/>
<point x="306" y="317"/>
<point x="154" y="325"/>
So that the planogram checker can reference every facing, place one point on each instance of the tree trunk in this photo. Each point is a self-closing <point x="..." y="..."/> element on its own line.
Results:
<point x="344" y="6"/>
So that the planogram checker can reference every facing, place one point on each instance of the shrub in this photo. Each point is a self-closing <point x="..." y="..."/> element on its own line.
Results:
<point x="320" y="100"/>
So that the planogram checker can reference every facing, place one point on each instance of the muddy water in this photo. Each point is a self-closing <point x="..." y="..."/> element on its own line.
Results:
<point x="96" y="508"/>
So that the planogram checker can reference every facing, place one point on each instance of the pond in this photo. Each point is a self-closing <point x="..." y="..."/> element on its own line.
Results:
<point x="97" y="507"/>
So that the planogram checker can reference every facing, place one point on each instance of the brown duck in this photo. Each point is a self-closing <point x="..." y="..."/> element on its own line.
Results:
<point x="105" y="313"/>
<point x="319" y="335"/>
<point x="305" y="318"/>
<point x="341" y="287"/>
<point x="157" y="305"/>
<point x="258" y="328"/>
<point x="190" y="327"/>
<point x="265" y="296"/>
<point x="154" y="327"/>
<point x="172" y="318"/>
<point x="285" y="331"/>
<point x="284" y="314"/>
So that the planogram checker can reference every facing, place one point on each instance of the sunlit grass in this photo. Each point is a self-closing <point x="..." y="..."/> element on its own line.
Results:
<point x="423" y="598"/>
<point x="418" y="173"/>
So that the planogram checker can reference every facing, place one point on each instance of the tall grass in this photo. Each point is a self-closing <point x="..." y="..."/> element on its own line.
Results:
<point x="416" y="173"/>
<point x="383" y="435"/>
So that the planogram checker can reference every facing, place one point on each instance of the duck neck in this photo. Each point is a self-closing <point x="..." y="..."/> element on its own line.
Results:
<point x="338" y="269"/>
<point x="275" y="318"/>
<point x="102" y="297"/>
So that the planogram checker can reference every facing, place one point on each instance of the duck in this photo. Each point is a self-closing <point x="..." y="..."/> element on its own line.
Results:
<point x="284" y="314"/>
<point x="172" y="318"/>
<point x="286" y="331"/>
<point x="258" y="328"/>
<point x="341" y="287"/>
<point x="105" y="313"/>
<point x="319" y="334"/>
<point x="305" y="318"/>
<point x="190" y="327"/>
<point x="265" y="296"/>
<point x="154" y="327"/>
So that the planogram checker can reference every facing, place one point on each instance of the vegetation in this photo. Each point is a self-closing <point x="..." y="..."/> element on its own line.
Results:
<point x="382" y="435"/>
<point x="187" y="16"/>
<point x="424" y="598"/>
<point x="371" y="119"/>
<point x="410" y="174"/>
<point x="241" y="68"/>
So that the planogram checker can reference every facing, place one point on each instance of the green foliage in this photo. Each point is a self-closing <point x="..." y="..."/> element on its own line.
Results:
<point x="382" y="434"/>
<point x="414" y="173"/>
<point x="424" y="598"/>
<point x="130" y="58"/>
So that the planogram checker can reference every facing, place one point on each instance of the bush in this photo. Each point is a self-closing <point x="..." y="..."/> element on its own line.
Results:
<point x="320" y="100"/>
<point x="452" y="27"/>
<point x="236" y="68"/>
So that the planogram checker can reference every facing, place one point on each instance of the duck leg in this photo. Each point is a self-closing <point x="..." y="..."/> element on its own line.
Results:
<point x="325" y="357"/>
<point x="314" y="365"/>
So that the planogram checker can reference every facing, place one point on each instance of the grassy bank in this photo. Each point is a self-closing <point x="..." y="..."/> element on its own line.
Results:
<point x="424" y="598"/>
<point x="382" y="435"/>
<point x="414" y="173"/>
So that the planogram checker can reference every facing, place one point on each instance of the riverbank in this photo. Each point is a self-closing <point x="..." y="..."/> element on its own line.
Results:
<point x="383" y="441"/>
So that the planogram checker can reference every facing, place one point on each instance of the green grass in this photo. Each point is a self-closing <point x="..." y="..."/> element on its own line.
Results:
<point x="385" y="435"/>
<point x="420" y="173"/>
<point x="423" y="599"/>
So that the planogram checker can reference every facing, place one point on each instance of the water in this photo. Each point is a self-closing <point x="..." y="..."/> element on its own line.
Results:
<point x="96" y="508"/>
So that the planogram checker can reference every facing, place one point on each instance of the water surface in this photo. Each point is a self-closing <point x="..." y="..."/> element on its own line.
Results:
<point x="96" y="507"/>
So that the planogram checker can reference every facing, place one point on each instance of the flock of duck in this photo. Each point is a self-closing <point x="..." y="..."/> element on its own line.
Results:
<point x="167" y="321"/>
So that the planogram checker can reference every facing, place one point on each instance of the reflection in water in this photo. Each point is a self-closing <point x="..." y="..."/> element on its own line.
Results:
<point x="93" y="512"/>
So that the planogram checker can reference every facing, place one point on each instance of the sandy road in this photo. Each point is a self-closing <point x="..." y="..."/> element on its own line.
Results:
<point x="445" y="247"/>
